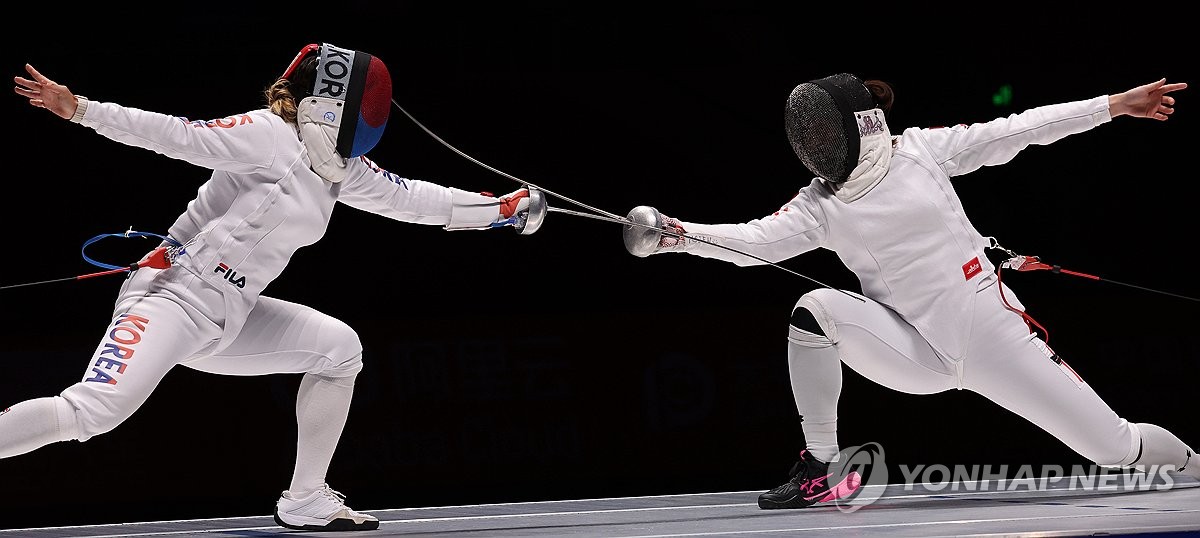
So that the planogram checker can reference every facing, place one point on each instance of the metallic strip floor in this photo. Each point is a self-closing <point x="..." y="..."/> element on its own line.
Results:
<point x="1012" y="508"/>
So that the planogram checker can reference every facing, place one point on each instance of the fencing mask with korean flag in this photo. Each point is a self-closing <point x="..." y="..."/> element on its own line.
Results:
<point x="344" y="97"/>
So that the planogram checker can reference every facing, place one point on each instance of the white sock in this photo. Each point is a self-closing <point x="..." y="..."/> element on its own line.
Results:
<point x="816" y="373"/>
<point x="322" y="405"/>
<point x="35" y="423"/>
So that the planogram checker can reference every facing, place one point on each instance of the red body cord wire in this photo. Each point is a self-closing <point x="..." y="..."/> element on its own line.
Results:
<point x="157" y="259"/>
<point x="1028" y="319"/>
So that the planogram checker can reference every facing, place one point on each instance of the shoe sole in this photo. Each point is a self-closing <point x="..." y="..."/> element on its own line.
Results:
<point x="335" y="525"/>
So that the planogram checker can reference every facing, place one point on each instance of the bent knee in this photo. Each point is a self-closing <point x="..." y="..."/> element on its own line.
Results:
<point x="87" y="414"/>
<point x="341" y="350"/>
<point x="812" y="323"/>
<point x="342" y="339"/>
<point x="348" y="366"/>
<point x="343" y="358"/>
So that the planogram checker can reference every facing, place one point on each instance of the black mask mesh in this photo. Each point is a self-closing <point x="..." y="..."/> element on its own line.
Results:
<point x="820" y="124"/>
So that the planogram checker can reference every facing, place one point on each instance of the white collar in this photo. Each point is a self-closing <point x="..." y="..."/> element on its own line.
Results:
<point x="874" y="156"/>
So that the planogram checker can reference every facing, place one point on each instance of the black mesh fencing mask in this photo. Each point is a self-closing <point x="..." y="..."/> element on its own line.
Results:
<point x="821" y="125"/>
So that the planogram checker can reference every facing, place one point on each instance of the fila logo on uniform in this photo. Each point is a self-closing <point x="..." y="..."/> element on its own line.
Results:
<point x="972" y="268"/>
<point x="231" y="275"/>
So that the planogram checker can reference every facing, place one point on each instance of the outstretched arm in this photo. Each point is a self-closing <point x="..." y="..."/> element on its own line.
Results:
<point x="1146" y="101"/>
<point x="45" y="93"/>
<point x="371" y="188"/>
<point x="964" y="148"/>
<point x="796" y="228"/>
<point x="243" y="143"/>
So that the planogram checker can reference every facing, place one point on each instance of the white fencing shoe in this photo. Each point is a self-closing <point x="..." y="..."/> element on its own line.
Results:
<point x="321" y="510"/>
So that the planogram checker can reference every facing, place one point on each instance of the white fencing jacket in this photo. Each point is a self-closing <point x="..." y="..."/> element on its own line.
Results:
<point x="907" y="239"/>
<point x="262" y="201"/>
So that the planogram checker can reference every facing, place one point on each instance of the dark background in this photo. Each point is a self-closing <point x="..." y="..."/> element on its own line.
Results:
<point x="504" y="368"/>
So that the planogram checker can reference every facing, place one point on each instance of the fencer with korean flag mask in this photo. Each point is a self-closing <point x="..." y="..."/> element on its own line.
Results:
<point x="277" y="173"/>
<point x="933" y="314"/>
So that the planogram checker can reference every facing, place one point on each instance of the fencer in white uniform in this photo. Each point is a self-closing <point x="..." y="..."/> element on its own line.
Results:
<point x="277" y="174"/>
<point x="934" y="316"/>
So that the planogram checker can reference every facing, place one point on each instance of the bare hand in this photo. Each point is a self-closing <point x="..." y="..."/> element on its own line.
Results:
<point x="1146" y="101"/>
<point x="45" y="93"/>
